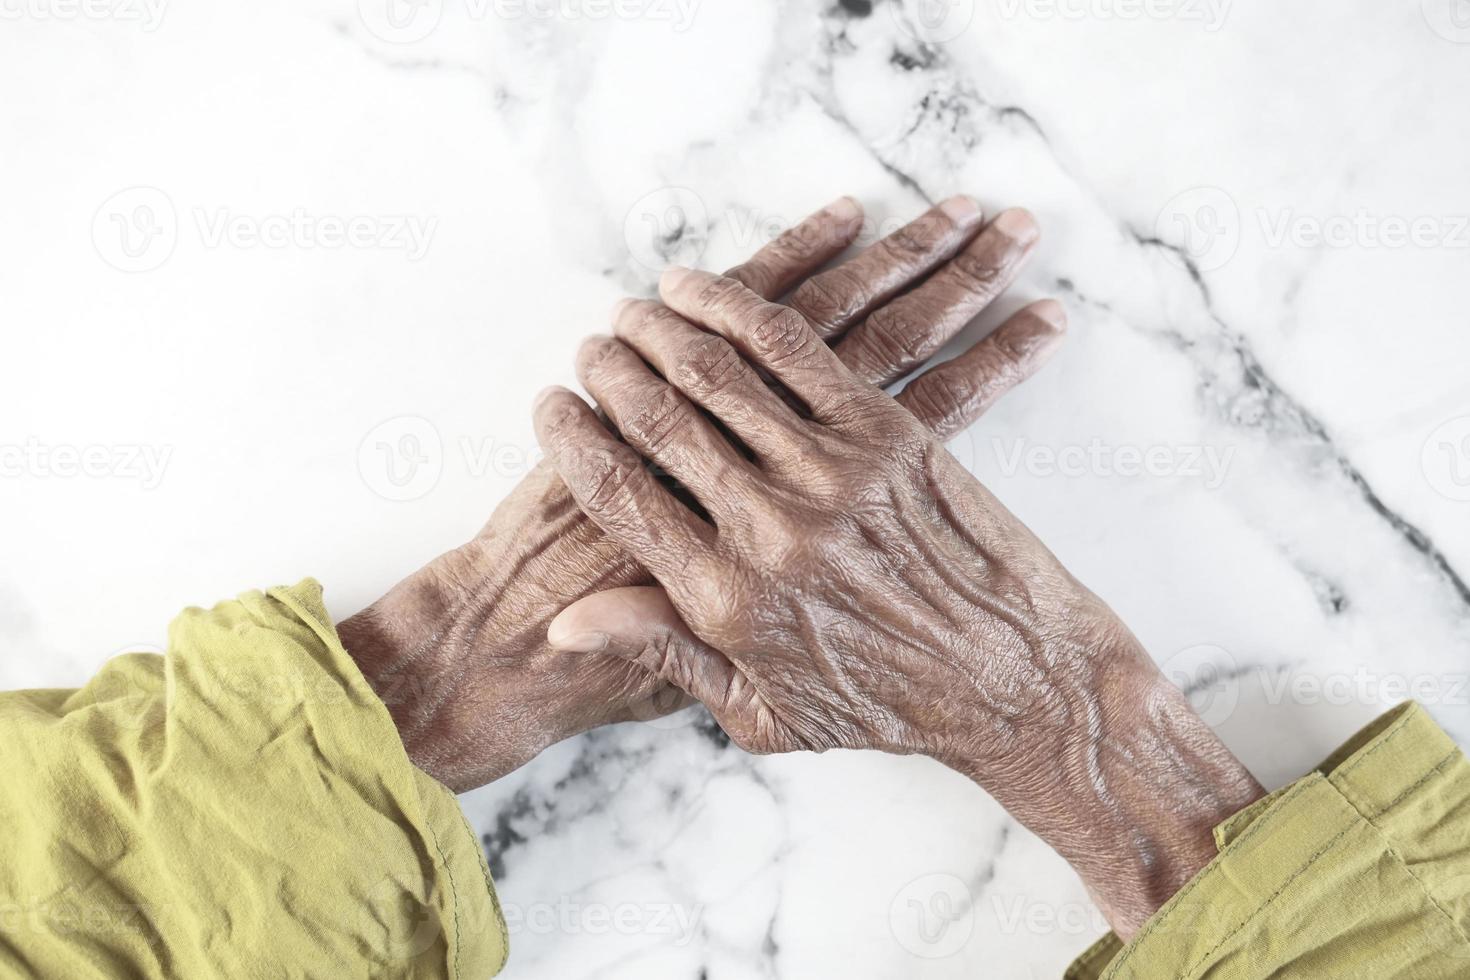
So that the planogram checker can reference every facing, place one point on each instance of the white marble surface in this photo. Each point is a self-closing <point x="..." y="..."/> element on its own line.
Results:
<point x="1256" y="212"/>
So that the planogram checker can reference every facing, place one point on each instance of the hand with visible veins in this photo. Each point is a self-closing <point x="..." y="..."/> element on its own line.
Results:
<point x="853" y="586"/>
<point x="458" y="650"/>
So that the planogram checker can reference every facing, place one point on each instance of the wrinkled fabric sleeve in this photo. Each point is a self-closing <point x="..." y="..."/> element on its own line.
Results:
<point x="1361" y="869"/>
<point x="241" y="806"/>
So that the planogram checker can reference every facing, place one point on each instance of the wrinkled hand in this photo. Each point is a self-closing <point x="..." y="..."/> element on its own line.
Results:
<point x="855" y="587"/>
<point x="458" y="651"/>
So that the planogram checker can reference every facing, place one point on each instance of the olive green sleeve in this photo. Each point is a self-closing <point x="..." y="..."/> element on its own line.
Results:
<point x="1359" y="870"/>
<point x="241" y="806"/>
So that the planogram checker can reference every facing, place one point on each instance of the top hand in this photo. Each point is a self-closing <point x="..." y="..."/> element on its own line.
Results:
<point x="458" y="650"/>
<point x="855" y="587"/>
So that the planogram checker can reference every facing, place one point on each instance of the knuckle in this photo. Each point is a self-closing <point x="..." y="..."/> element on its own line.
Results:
<point x="911" y="242"/>
<point x="608" y="480"/>
<point x="709" y="366"/>
<point x="778" y="333"/>
<point x="559" y="418"/>
<point x="939" y="401"/>
<point x="656" y="317"/>
<point x="595" y="351"/>
<point x="755" y="274"/>
<point x="857" y="409"/>
<point x="660" y="654"/>
<point x="721" y="294"/>
<point x="980" y="273"/>
<point x="784" y="251"/>
<point x="657" y="419"/>
<point x="897" y="337"/>
<point x="829" y="299"/>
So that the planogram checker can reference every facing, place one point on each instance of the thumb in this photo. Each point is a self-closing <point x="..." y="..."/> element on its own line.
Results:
<point x="640" y="624"/>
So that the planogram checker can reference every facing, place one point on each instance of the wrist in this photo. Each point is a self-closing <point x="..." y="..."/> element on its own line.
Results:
<point x="457" y="651"/>
<point x="408" y="645"/>
<point x="1127" y="782"/>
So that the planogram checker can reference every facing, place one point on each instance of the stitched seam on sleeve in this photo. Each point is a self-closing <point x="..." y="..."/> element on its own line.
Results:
<point x="1255" y="828"/>
<point x="1389" y="841"/>
<point x="1267" y="903"/>
<point x="1091" y="954"/>
<point x="494" y="897"/>
<point x="453" y="891"/>
<point x="1394" y="732"/>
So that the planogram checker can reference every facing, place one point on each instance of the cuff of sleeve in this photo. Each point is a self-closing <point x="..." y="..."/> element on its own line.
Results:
<point x="428" y="901"/>
<point x="1360" y="868"/>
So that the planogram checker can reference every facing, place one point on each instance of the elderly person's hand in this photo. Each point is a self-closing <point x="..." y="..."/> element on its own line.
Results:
<point x="852" y="586"/>
<point x="458" y="651"/>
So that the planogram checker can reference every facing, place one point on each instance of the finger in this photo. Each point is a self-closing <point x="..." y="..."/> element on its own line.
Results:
<point x="836" y="299"/>
<point x="771" y="336"/>
<point x="798" y="252"/>
<point x="641" y="625"/>
<point x="711" y="373"/>
<point x="660" y="422"/>
<point x="615" y="489"/>
<point x="950" y="397"/>
<point x="908" y="331"/>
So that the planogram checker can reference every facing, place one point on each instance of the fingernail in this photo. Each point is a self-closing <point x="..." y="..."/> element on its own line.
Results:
<point x="962" y="209"/>
<point x="673" y="276"/>
<point x="576" y="642"/>
<point x="621" y="307"/>
<point x="1050" y="311"/>
<point x="845" y="209"/>
<point x="1018" y="225"/>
